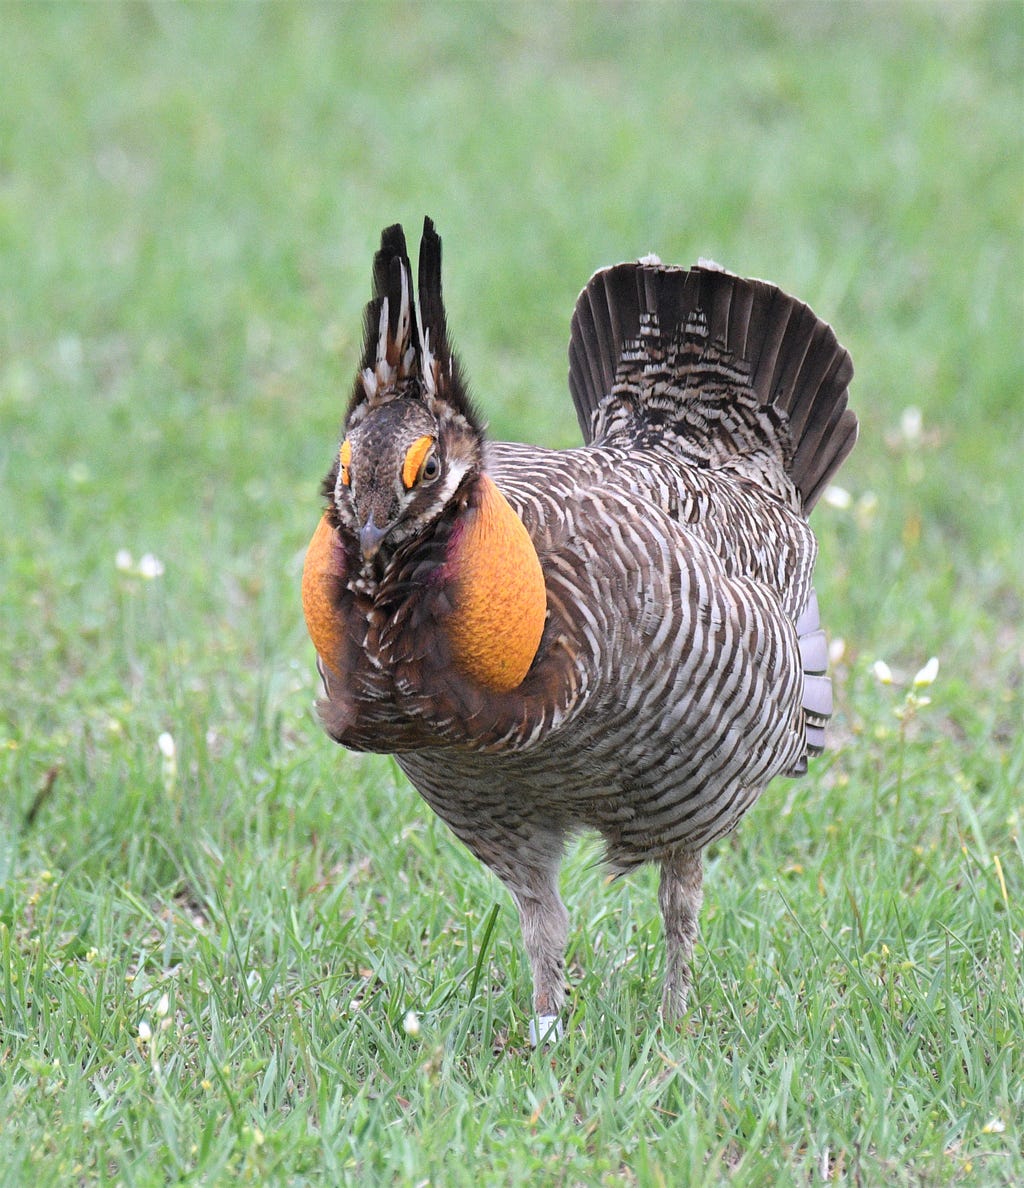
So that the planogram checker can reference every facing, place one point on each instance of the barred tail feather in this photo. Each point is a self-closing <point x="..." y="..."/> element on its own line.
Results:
<point x="722" y="367"/>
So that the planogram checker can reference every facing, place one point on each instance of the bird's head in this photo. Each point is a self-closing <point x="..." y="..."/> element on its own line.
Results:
<point x="399" y="467"/>
<point x="412" y="451"/>
<point x="412" y="437"/>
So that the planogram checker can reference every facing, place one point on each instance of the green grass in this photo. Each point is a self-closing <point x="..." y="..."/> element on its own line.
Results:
<point x="189" y="201"/>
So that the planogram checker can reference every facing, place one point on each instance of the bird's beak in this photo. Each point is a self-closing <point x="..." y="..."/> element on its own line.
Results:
<point x="370" y="537"/>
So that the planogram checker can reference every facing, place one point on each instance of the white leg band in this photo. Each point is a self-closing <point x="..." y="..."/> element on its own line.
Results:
<point x="545" y="1029"/>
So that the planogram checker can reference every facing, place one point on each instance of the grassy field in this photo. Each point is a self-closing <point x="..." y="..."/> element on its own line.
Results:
<point x="231" y="951"/>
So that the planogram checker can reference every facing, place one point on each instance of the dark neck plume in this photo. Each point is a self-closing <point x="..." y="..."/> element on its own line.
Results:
<point x="406" y="350"/>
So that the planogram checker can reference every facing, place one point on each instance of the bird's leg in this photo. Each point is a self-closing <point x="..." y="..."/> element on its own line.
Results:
<point x="545" y="926"/>
<point x="679" y="895"/>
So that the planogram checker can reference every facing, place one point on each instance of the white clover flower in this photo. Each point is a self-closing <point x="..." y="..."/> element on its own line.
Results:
<point x="838" y="497"/>
<point x="150" y="567"/>
<point x="911" y="424"/>
<point x="882" y="671"/>
<point x="927" y="674"/>
<point x="169" y="767"/>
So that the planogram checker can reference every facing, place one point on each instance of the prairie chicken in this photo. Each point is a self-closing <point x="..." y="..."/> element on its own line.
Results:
<point x="620" y="637"/>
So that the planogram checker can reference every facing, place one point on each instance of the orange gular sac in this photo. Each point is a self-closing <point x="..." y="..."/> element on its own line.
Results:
<point x="322" y="573"/>
<point x="497" y="593"/>
<point x="494" y="584"/>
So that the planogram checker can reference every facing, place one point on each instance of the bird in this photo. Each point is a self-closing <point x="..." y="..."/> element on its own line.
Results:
<point x="620" y="637"/>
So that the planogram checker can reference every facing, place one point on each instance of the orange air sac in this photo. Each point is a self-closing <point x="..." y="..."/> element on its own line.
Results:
<point x="324" y="568"/>
<point x="499" y="596"/>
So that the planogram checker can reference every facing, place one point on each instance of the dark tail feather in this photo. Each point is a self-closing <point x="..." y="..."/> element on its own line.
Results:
<point x="712" y="359"/>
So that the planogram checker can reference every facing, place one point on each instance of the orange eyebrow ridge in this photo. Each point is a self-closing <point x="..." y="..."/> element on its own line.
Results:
<point x="414" y="460"/>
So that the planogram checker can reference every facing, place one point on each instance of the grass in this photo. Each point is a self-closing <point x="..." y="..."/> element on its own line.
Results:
<point x="209" y="954"/>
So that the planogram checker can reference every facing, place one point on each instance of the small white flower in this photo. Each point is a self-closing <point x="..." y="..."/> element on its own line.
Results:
<point x="838" y="497"/>
<point x="169" y="766"/>
<point x="163" y="1006"/>
<point x="927" y="674"/>
<point x="124" y="561"/>
<point x="836" y="650"/>
<point x="411" y="1023"/>
<point x="995" y="1126"/>
<point x="150" y="567"/>
<point x="882" y="671"/>
<point x="145" y="1032"/>
<point x="911" y="423"/>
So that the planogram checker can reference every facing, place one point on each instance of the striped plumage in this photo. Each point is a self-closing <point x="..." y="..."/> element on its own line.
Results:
<point x="664" y="659"/>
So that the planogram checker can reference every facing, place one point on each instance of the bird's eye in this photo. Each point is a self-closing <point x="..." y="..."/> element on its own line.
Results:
<point x="431" y="467"/>
<point x="344" y="461"/>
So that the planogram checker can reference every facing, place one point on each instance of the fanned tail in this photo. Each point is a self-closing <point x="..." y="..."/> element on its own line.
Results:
<point x="729" y="372"/>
